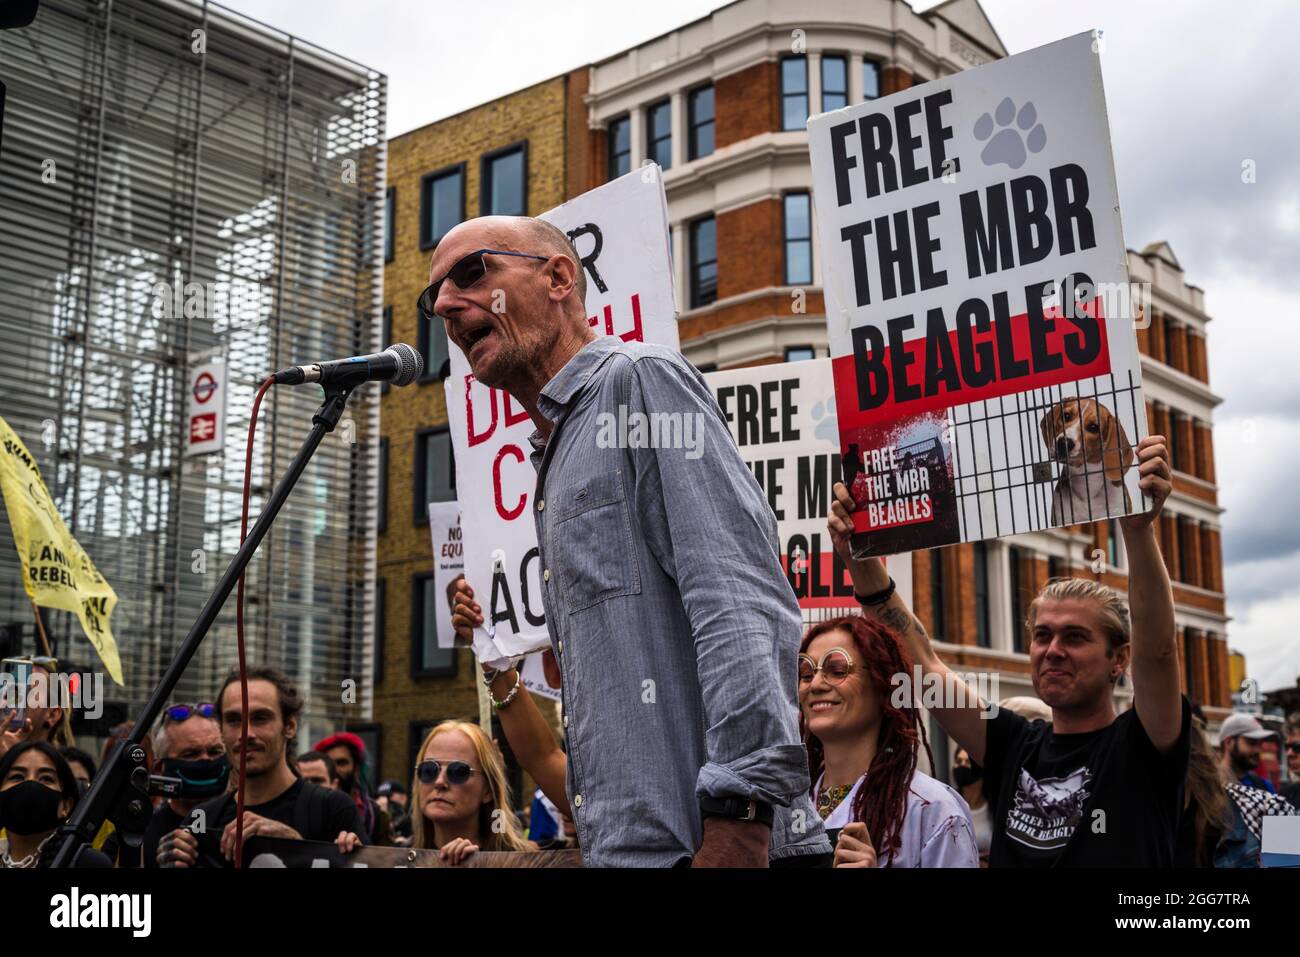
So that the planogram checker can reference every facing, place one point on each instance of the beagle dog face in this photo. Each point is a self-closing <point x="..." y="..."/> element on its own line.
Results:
<point x="1083" y="433"/>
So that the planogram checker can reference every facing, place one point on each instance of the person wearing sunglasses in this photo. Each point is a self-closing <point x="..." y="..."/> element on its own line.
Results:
<point x="461" y="799"/>
<point x="277" y="801"/>
<point x="187" y="746"/>
<point x="660" y="566"/>
<point x="863" y="740"/>
<point x="1095" y="787"/>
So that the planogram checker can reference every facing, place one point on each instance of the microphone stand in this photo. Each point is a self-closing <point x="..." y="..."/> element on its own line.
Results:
<point x="120" y="791"/>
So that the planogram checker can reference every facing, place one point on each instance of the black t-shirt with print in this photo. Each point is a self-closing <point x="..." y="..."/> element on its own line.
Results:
<point x="1104" y="798"/>
<point x="315" y="812"/>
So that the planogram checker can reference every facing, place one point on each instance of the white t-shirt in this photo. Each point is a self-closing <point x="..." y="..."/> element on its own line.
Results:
<point x="937" y="828"/>
<point x="982" y="818"/>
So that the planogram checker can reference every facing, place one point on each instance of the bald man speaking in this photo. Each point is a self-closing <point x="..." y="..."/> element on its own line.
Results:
<point x="674" y="627"/>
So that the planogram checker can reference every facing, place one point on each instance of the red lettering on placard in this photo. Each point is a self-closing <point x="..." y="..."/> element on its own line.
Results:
<point x="469" y="413"/>
<point x="513" y="417"/>
<point x="508" y="514"/>
<point x="635" y="334"/>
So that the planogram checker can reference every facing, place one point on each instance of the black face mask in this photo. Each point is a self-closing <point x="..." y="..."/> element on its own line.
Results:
<point x="30" y="808"/>
<point x="965" y="777"/>
<point x="346" y="784"/>
<point x="199" y="779"/>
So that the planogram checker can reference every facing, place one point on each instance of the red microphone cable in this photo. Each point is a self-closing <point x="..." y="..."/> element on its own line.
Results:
<point x="239" y="632"/>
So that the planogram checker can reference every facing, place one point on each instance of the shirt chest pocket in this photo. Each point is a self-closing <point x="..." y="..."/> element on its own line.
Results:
<point x="592" y="545"/>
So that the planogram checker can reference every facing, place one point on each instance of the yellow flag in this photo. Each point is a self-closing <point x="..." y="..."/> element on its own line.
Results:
<point x="57" y="572"/>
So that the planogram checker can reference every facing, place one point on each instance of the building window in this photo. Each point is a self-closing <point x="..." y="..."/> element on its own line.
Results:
<point x="794" y="93"/>
<point x="442" y="203"/>
<point x="620" y="147"/>
<point x="435" y="471"/>
<point x="504" y="182"/>
<point x="659" y="133"/>
<point x="427" y="659"/>
<point x="381" y="497"/>
<point x="1179" y="450"/>
<point x="1015" y="558"/>
<point x="1054" y="569"/>
<point x="432" y="343"/>
<point x="1112" y="543"/>
<point x="704" y="262"/>
<point x="381" y="623"/>
<point x="797" y="229"/>
<point x="799" y="353"/>
<point x="700" y="122"/>
<point x="936" y="593"/>
<point x="981" y="594"/>
<point x="1184" y="551"/>
<point x="390" y="217"/>
<point x="870" y="79"/>
<point x="835" y="83"/>
<point x="387" y="334"/>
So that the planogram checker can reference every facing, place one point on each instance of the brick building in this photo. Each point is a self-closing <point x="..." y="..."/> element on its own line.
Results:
<point x="507" y="156"/>
<point x="720" y="104"/>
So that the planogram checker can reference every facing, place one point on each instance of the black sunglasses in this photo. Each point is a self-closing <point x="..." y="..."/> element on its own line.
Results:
<point x="464" y="273"/>
<point x="458" y="772"/>
<point x="183" y="712"/>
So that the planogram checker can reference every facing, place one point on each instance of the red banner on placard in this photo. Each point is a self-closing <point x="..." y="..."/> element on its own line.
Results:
<point x="1008" y="350"/>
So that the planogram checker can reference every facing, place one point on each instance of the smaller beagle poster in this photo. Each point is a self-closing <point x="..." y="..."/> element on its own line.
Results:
<point x="981" y="321"/>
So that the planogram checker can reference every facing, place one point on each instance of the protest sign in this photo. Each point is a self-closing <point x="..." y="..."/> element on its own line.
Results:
<point x="980" y="316"/>
<point x="782" y="418"/>
<point x="276" y="852"/>
<point x="448" y="563"/>
<point x="620" y="231"/>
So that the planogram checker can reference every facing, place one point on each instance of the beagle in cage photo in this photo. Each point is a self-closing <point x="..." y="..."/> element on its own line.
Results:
<point x="1087" y="439"/>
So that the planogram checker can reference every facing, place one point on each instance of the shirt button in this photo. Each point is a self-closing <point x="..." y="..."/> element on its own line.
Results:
<point x="541" y="504"/>
<point x="566" y="720"/>
<point x="577" y="800"/>
<point x="559" y="647"/>
<point x="546" y="574"/>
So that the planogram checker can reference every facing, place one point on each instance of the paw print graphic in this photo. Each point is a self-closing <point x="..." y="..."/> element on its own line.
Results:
<point x="1010" y="145"/>
<point x="826" y="425"/>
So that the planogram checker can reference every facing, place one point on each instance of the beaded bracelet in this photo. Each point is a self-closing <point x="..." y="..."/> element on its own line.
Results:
<point x="499" y="705"/>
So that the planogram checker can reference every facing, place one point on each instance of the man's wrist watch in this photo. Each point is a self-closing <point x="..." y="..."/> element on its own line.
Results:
<point x="737" y="809"/>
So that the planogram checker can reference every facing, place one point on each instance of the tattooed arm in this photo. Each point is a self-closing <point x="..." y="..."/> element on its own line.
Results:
<point x="962" y="708"/>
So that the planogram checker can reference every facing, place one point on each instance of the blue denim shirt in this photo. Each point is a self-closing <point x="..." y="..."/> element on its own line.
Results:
<point x="673" y="624"/>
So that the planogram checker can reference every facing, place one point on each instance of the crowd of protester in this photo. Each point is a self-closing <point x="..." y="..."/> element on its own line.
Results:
<point x="1173" y="798"/>
<point x="864" y="750"/>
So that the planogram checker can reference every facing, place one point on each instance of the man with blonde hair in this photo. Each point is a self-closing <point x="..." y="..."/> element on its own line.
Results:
<point x="1094" y="787"/>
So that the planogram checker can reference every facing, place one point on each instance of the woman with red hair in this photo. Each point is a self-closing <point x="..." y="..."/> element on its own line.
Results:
<point x="863" y="732"/>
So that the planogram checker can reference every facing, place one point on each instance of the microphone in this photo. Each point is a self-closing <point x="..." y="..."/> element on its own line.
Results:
<point x="398" y="364"/>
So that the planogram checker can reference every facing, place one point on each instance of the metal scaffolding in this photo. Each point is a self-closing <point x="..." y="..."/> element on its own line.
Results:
<point x="161" y="145"/>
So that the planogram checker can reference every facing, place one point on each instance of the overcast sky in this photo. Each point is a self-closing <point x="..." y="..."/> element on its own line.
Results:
<point x="1194" y="89"/>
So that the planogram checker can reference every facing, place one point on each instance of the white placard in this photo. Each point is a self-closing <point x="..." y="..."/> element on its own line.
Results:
<point x="980" y="317"/>
<point x="620" y="231"/>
